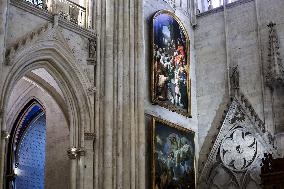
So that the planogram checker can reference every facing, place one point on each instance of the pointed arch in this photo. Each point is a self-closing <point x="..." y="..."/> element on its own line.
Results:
<point x="32" y="110"/>
<point x="51" y="52"/>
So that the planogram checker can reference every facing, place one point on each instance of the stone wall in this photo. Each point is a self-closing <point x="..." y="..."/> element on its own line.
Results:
<point x="150" y="8"/>
<point x="238" y="36"/>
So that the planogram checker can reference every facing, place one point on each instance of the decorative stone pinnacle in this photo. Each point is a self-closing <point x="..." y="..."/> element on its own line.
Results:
<point x="274" y="73"/>
<point x="234" y="78"/>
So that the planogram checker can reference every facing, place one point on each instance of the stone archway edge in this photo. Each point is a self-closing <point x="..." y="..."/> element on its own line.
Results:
<point x="49" y="50"/>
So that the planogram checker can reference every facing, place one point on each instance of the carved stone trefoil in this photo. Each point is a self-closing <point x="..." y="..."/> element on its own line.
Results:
<point x="274" y="76"/>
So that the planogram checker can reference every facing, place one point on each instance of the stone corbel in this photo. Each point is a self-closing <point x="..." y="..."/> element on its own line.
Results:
<point x="75" y="153"/>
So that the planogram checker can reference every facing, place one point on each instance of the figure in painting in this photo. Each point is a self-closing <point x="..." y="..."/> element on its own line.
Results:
<point x="170" y="62"/>
<point x="174" y="158"/>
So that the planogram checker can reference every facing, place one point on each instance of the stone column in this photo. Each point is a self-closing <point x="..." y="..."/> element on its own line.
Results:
<point x="120" y="148"/>
<point x="3" y="26"/>
<point x="89" y="18"/>
<point x="89" y="163"/>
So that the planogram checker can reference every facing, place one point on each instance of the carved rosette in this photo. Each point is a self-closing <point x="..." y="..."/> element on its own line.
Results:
<point x="238" y="149"/>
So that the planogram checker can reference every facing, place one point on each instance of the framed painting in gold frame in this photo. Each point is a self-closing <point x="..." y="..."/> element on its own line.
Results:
<point x="172" y="156"/>
<point x="170" y="79"/>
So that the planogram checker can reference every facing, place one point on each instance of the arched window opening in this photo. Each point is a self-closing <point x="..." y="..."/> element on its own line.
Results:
<point x="26" y="149"/>
<point x="206" y="5"/>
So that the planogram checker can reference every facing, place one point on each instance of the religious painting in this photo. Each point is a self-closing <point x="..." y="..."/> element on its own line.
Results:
<point x="170" y="82"/>
<point x="172" y="156"/>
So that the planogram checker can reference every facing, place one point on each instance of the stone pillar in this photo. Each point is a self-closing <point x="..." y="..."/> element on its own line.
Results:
<point x="120" y="147"/>
<point x="73" y="173"/>
<point x="89" y="18"/>
<point x="3" y="24"/>
<point x="89" y="161"/>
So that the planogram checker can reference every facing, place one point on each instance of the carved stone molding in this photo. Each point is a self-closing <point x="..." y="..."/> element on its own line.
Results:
<point x="27" y="39"/>
<point x="274" y="75"/>
<point x="90" y="136"/>
<point x="92" y="46"/>
<point x="5" y="135"/>
<point x="91" y="90"/>
<point x="234" y="79"/>
<point x="171" y="3"/>
<point x="238" y="148"/>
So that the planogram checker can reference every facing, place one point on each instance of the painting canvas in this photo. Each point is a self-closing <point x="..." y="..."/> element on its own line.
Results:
<point x="173" y="156"/>
<point x="170" y="85"/>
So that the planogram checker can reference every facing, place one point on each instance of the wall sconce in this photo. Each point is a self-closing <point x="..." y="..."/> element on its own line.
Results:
<point x="75" y="153"/>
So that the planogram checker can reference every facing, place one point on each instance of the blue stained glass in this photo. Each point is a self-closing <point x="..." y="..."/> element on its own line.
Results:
<point x="31" y="155"/>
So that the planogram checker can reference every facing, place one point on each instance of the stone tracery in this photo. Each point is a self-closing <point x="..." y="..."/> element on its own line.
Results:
<point x="238" y="147"/>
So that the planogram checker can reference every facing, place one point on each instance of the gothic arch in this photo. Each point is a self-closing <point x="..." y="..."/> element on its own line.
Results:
<point x="54" y="56"/>
<point x="28" y="113"/>
<point x="18" y="110"/>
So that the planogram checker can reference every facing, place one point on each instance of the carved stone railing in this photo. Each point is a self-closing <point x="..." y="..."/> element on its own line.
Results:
<point x="65" y="8"/>
<point x="182" y="5"/>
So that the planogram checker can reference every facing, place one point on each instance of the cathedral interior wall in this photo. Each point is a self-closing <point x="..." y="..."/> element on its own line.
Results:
<point x="150" y="8"/>
<point x="237" y="36"/>
<point x="220" y="40"/>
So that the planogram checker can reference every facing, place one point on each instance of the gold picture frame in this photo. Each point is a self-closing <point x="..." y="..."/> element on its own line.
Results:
<point x="172" y="156"/>
<point x="170" y="68"/>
